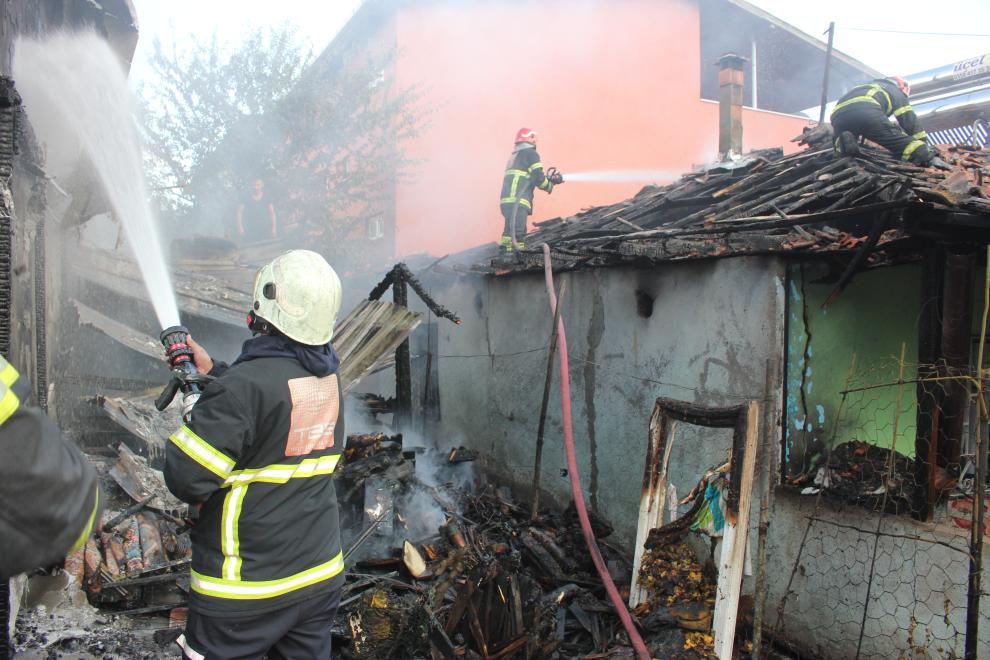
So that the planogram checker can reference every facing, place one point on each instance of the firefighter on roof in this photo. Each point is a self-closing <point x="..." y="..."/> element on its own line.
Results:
<point x="258" y="454"/>
<point x="865" y="111"/>
<point x="523" y="174"/>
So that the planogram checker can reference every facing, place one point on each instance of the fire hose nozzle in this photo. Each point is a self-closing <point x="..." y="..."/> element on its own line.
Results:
<point x="177" y="351"/>
<point x="185" y="376"/>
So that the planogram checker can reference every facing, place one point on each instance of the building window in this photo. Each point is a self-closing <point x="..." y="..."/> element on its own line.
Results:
<point x="375" y="227"/>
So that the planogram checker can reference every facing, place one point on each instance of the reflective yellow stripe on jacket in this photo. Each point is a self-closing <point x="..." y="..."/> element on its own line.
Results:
<point x="913" y="146"/>
<point x="232" y="503"/>
<point x="258" y="589"/>
<point x="88" y="529"/>
<point x="230" y="544"/>
<point x="868" y="97"/>
<point x="202" y="452"/>
<point x="9" y="402"/>
<point x="512" y="200"/>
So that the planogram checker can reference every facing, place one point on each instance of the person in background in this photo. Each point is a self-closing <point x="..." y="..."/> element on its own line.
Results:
<point x="256" y="216"/>
<point x="258" y="455"/>
<point x="49" y="493"/>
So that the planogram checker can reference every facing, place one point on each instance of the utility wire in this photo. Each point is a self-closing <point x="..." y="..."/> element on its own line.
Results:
<point x="931" y="34"/>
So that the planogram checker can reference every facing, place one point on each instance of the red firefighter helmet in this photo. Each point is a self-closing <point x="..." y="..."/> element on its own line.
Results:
<point x="526" y="135"/>
<point x="903" y="84"/>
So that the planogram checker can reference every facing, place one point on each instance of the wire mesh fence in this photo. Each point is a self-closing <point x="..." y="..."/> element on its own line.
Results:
<point x="883" y="566"/>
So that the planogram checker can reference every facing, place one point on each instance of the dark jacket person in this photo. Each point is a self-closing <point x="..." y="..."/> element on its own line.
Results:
<point x="258" y="454"/>
<point x="49" y="495"/>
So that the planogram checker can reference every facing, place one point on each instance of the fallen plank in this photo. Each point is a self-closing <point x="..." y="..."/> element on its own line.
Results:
<point x="123" y="334"/>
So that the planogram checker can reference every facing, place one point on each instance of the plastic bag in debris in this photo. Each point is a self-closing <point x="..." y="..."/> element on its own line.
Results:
<point x="710" y="518"/>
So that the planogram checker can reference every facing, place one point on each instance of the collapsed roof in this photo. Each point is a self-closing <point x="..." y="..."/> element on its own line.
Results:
<point x="812" y="201"/>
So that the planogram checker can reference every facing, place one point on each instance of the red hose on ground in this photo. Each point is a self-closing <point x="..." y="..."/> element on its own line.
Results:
<point x="572" y="470"/>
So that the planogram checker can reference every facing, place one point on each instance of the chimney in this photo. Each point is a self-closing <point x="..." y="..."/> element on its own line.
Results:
<point x="730" y="101"/>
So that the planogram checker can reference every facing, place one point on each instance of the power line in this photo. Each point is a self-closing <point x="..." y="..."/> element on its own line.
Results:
<point x="931" y="34"/>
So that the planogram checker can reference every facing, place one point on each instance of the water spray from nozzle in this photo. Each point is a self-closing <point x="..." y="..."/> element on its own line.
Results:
<point x="185" y="376"/>
<point x="623" y="176"/>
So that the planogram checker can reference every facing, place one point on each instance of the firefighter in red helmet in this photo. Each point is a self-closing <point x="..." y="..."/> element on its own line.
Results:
<point x="523" y="174"/>
<point x="865" y="111"/>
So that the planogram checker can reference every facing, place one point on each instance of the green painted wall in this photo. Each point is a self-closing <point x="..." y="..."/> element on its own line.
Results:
<point x="876" y="314"/>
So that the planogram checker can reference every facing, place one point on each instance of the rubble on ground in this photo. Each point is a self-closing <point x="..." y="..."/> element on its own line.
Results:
<point x="441" y="564"/>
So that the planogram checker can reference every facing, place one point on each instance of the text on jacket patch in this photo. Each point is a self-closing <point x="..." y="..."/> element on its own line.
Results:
<point x="315" y="408"/>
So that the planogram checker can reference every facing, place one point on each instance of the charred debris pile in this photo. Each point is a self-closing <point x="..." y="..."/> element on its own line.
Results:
<point x="764" y="203"/>
<point x="441" y="564"/>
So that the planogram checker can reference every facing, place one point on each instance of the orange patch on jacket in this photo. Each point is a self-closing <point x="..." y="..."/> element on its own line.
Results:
<point x="315" y="408"/>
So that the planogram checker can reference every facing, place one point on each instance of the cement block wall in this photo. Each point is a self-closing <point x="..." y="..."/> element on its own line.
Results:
<point x="713" y="327"/>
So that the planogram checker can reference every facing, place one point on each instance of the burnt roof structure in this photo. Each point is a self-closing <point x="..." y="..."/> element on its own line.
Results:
<point x="809" y="202"/>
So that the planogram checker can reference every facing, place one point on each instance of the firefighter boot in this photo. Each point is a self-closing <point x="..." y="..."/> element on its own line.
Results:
<point x="846" y="144"/>
<point x="505" y="244"/>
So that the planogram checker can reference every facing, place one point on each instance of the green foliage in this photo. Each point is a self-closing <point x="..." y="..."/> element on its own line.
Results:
<point x="196" y="97"/>
<point x="324" y="134"/>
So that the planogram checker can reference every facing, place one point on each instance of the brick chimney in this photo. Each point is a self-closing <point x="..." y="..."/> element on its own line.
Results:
<point x="730" y="101"/>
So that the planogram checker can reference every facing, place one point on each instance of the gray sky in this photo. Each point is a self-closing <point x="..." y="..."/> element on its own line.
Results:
<point x="892" y="53"/>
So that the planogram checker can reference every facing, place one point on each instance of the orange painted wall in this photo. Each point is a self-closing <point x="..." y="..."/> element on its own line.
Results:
<point x="607" y="85"/>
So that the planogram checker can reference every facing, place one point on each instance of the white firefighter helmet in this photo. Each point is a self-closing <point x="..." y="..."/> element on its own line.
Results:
<point x="299" y="294"/>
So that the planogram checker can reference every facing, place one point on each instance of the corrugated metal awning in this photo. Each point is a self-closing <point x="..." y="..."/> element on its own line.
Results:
<point x="961" y="135"/>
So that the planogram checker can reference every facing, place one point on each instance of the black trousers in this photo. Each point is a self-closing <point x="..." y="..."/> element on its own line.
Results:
<point x="867" y="120"/>
<point x="300" y="631"/>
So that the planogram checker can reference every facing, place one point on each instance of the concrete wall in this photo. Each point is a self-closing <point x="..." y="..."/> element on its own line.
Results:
<point x="716" y="329"/>
<point x="713" y="327"/>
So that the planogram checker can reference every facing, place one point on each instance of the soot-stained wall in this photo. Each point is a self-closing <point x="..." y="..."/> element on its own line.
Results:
<point x="708" y="337"/>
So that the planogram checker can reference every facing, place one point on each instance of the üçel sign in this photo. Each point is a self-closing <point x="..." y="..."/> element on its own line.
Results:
<point x="971" y="67"/>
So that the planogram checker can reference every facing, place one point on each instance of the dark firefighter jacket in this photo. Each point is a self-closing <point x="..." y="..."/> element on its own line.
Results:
<point x="49" y="494"/>
<point x="523" y="174"/>
<point x="259" y="453"/>
<point x="887" y="97"/>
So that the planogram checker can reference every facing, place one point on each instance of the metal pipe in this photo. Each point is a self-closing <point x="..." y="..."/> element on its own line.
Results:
<point x="976" y="529"/>
<point x="753" y="70"/>
<point x="541" y="428"/>
<point x="828" y="64"/>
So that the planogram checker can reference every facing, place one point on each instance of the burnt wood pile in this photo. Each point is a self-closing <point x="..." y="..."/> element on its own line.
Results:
<point x="812" y="201"/>
<point x="459" y="568"/>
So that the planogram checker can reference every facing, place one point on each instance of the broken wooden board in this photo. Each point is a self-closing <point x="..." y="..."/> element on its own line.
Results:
<point x="123" y="334"/>
<point x="136" y="413"/>
<point x="197" y="293"/>
<point x="133" y="474"/>
<point x="369" y="335"/>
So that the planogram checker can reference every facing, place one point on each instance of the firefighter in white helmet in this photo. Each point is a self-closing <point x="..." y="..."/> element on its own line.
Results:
<point x="258" y="455"/>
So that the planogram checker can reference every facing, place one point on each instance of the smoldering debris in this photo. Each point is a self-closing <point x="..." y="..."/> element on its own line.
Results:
<point x="466" y="571"/>
<point x="136" y="564"/>
<point x="442" y="563"/>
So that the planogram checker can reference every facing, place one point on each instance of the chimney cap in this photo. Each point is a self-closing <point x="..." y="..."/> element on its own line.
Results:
<point x="731" y="61"/>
